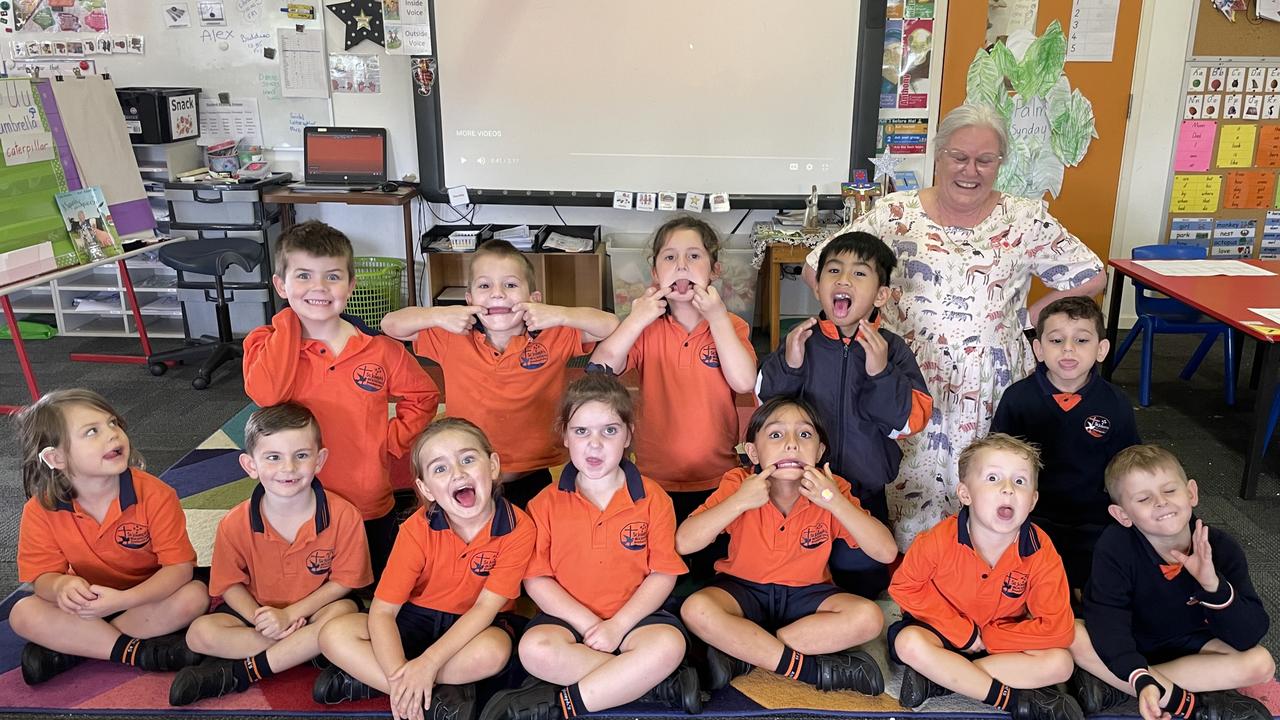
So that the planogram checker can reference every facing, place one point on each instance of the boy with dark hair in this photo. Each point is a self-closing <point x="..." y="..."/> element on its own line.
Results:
<point x="862" y="379"/>
<point x="985" y="607"/>
<point x="343" y="372"/>
<point x="505" y="358"/>
<point x="1078" y="420"/>
<point x="1170" y="614"/>
<point x="284" y="562"/>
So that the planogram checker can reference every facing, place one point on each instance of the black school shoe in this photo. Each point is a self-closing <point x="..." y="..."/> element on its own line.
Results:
<point x="1229" y="705"/>
<point x="723" y="668"/>
<point x="452" y="702"/>
<point x="536" y="700"/>
<point x="681" y="690"/>
<point x="1094" y="695"/>
<point x="212" y="678"/>
<point x="849" y="670"/>
<point x="334" y="685"/>
<point x="917" y="688"/>
<point x="1046" y="704"/>
<point x="166" y="653"/>
<point x="39" y="663"/>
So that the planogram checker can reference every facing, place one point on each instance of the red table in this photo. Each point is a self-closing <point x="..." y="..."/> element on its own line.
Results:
<point x="1226" y="298"/>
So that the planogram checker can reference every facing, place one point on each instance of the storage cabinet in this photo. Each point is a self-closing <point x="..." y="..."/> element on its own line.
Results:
<point x="104" y="308"/>
<point x="159" y="164"/>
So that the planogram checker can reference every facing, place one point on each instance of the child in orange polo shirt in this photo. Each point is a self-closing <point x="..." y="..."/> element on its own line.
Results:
<point x="440" y="619"/>
<point x="693" y="355"/>
<point x="103" y="544"/>
<point x="773" y="604"/>
<point x="343" y="372"/>
<point x="284" y="562"/>
<point x="604" y="563"/>
<point x="507" y="373"/>
<point x="985" y="607"/>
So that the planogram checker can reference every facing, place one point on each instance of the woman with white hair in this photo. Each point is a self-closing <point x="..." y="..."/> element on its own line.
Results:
<point x="966" y="254"/>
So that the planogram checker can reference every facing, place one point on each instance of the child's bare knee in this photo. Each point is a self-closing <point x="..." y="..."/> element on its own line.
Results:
<point x="201" y="633"/>
<point x="912" y="645"/>
<point x="1259" y="666"/>
<point x="699" y="611"/>
<point x="1057" y="664"/>
<point x="539" y="649"/>
<point x="338" y="631"/>
<point x="193" y="599"/>
<point x="23" y="615"/>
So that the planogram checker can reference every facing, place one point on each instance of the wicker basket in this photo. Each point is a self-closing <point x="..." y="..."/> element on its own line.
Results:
<point x="377" y="289"/>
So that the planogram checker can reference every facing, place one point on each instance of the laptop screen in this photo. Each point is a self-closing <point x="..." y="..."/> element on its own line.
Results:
<point x="345" y="155"/>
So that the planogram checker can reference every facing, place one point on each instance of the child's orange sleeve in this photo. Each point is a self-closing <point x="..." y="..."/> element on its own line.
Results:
<point x="271" y="359"/>
<point x="913" y="589"/>
<point x="169" y="529"/>
<point x="229" y="566"/>
<point x="351" y="566"/>
<point x="405" y="566"/>
<point x="663" y="557"/>
<point x="540" y="560"/>
<point x="38" y="551"/>
<point x="418" y="400"/>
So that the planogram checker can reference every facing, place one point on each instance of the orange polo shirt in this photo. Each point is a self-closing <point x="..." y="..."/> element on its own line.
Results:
<point x="511" y="394"/>
<point x="632" y="537"/>
<point x="766" y="546"/>
<point x="432" y="567"/>
<point x="1022" y="603"/>
<point x="278" y="573"/>
<point x="688" y="423"/>
<point x="348" y="394"/>
<point x="144" y="529"/>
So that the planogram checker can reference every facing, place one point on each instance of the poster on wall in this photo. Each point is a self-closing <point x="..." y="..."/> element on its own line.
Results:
<point x="61" y="16"/>
<point x="917" y="46"/>
<point x="891" y="63"/>
<point x="360" y="74"/>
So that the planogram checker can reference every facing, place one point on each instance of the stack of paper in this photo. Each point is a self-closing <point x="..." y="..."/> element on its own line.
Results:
<point x="567" y="243"/>
<point x="519" y="236"/>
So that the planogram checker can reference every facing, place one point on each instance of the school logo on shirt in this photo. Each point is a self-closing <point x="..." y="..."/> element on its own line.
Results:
<point x="1097" y="426"/>
<point x="483" y="562"/>
<point x="320" y="561"/>
<point x="1015" y="584"/>
<point x="814" y="536"/>
<point x="132" y="536"/>
<point x="370" y="377"/>
<point x="709" y="356"/>
<point x="534" y="356"/>
<point x="635" y="536"/>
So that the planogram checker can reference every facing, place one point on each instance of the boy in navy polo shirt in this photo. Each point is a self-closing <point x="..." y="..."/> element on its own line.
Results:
<point x="1078" y="420"/>
<point x="1170" y="612"/>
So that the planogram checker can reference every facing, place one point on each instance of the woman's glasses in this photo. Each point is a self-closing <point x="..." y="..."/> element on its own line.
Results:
<point x="960" y="158"/>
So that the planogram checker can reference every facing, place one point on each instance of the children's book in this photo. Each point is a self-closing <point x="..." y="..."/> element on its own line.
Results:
<point x="88" y="222"/>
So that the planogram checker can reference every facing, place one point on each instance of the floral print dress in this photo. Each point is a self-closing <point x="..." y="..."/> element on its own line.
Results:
<point x="959" y="300"/>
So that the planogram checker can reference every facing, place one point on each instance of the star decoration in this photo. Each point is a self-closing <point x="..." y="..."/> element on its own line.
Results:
<point x="886" y="165"/>
<point x="363" y="19"/>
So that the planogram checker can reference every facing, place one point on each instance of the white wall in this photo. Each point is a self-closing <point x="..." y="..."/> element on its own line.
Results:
<point x="1150" y="134"/>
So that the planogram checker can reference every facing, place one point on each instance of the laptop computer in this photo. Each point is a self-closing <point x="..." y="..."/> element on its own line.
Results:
<point x="343" y="159"/>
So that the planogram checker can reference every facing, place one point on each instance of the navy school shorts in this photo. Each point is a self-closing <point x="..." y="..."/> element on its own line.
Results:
<point x="658" y="617"/>
<point x="773" y="606"/>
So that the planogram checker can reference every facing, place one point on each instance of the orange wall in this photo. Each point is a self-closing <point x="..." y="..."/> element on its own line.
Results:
<point x="1086" y="205"/>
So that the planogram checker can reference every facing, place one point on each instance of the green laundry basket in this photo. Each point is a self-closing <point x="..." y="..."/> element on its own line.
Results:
<point x="377" y="289"/>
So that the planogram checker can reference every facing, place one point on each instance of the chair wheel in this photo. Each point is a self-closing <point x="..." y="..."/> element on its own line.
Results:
<point x="158" y="369"/>
<point x="200" y="382"/>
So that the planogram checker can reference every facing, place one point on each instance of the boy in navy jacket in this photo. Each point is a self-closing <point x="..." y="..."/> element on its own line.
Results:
<point x="862" y="379"/>
<point x="1078" y="420"/>
<point x="1170" y="614"/>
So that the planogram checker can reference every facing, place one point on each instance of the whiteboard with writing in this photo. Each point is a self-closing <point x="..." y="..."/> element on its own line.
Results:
<point x="228" y="58"/>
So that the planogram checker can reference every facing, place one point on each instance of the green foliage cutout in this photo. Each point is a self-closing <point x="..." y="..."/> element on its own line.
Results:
<point x="1032" y="92"/>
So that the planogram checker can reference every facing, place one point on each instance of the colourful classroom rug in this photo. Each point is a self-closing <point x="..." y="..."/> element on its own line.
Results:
<point x="210" y="481"/>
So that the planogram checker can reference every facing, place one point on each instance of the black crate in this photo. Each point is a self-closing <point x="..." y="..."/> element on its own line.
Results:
<point x="160" y="114"/>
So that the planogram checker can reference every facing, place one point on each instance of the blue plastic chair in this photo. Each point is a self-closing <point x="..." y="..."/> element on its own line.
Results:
<point x="1159" y="314"/>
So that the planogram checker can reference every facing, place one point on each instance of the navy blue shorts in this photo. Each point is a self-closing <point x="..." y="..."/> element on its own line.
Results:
<point x="773" y="606"/>
<point x="1176" y="648"/>
<point x="658" y="617"/>
<point x="906" y="620"/>
<point x="226" y="609"/>
<point x="420" y="627"/>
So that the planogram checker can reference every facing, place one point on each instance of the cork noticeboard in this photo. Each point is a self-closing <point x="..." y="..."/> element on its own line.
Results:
<point x="1215" y="36"/>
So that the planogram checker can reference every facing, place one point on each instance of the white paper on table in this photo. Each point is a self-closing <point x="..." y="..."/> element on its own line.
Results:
<point x="304" y="69"/>
<point x="1272" y="314"/>
<point x="237" y="120"/>
<point x="1091" y="32"/>
<point x="1202" y="268"/>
